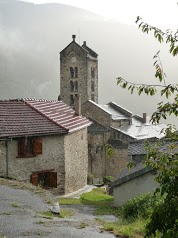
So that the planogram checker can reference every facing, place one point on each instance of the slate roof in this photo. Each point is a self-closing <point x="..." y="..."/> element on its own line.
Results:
<point x="89" y="50"/>
<point x="137" y="130"/>
<point x="142" y="131"/>
<point x="84" y="47"/>
<point x="21" y="117"/>
<point x="138" y="148"/>
<point x="127" y="175"/>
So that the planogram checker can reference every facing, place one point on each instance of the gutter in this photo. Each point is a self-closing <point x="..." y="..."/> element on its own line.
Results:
<point x="7" y="159"/>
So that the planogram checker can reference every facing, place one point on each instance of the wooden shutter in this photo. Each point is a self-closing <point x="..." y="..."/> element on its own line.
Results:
<point x="34" y="179"/>
<point x="21" y="147"/>
<point x="37" y="146"/>
<point x="53" y="179"/>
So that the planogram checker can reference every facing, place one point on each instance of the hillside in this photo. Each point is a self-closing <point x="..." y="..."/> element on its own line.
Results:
<point x="31" y="37"/>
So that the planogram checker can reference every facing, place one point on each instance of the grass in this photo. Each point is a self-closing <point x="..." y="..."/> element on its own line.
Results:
<point x="14" y="204"/>
<point x="50" y="215"/>
<point x="83" y="225"/>
<point x="104" y="206"/>
<point x="97" y="196"/>
<point x="130" y="230"/>
<point x="69" y="201"/>
<point x="5" y="213"/>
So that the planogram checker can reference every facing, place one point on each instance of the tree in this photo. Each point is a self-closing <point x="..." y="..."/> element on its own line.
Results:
<point x="164" y="219"/>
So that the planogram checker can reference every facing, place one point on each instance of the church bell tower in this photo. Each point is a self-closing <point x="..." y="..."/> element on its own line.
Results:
<point x="78" y="73"/>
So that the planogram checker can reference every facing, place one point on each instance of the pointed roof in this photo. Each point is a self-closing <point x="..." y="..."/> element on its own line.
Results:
<point x="84" y="47"/>
<point x="22" y="117"/>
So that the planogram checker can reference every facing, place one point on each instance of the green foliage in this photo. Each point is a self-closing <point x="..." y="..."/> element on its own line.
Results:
<point x="107" y="179"/>
<point x="163" y="222"/>
<point x="141" y="206"/>
<point x="109" y="150"/>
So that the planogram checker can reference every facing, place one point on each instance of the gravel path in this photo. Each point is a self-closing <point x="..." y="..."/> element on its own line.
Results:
<point x="17" y="218"/>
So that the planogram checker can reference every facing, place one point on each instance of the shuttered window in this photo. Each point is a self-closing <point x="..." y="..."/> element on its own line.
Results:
<point x="46" y="179"/>
<point x="29" y="147"/>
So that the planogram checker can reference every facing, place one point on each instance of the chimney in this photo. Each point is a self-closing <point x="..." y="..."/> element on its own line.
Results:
<point x="73" y="37"/>
<point x="84" y="43"/>
<point x="77" y="104"/>
<point x="144" y="117"/>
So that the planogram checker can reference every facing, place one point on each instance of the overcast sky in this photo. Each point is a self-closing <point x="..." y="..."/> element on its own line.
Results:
<point x="156" y="12"/>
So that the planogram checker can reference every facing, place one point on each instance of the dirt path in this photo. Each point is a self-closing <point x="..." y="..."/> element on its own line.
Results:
<point x="18" y="209"/>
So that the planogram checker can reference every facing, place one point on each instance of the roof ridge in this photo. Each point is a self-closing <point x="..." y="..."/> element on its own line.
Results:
<point x="34" y="108"/>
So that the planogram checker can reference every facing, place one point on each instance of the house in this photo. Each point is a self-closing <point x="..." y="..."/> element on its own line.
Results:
<point x="139" y="179"/>
<point x="118" y="127"/>
<point x="44" y="142"/>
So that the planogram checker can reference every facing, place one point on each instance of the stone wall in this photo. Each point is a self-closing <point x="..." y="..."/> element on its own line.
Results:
<point x="117" y="162"/>
<point x="67" y="155"/>
<point x="76" y="160"/>
<point x="90" y="110"/>
<point x="74" y="56"/>
<point x="99" y="165"/>
<point x="52" y="157"/>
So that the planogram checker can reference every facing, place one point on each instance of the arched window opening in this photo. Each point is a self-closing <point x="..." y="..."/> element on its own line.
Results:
<point x="71" y="86"/>
<point x="76" y="72"/>
<point x="71" y="100"/>
<point x="93" y="97"/>
<point x="71" y="72"/>
<point x="76" y="86"/>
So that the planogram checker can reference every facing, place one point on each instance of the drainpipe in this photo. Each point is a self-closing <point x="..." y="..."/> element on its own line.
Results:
<point x="7" y="159"/>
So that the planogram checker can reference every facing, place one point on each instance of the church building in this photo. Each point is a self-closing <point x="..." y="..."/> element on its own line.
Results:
<point x="111" y="123"/>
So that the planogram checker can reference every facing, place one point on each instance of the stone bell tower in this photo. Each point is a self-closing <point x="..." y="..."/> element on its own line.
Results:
<point x="78" y="73"/>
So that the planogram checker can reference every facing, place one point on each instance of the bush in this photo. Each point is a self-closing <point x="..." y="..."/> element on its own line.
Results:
<point x="141" y="206"/>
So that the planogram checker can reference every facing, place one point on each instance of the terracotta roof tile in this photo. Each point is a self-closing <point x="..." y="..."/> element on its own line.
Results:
<point x="33" y="117"/>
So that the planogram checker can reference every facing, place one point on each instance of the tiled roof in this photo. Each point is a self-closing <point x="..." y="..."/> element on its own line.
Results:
<point x="22" y="117"/>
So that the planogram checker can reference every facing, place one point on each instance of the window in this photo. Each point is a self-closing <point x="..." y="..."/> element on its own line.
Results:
<point x="71" y="100"/>
<point x="71" y="72"/>
<point x="92" y="86"/>
<point x="75" y="86"/>
<point x="45" y="178"/>
<point x="71" y="86"/>
<point x="29" y="147"/>
<point x="76" y="72"/>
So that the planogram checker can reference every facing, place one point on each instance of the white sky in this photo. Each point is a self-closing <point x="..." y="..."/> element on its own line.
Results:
<point x="155" y="12"/>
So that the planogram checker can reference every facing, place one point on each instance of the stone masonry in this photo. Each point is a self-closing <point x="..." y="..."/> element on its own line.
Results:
<point x="78" y="73"/>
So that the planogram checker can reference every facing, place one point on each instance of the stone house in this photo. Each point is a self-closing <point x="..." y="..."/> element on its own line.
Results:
<point x="44" y="142"/>
<point x="118" y="127"/>
<point x="78" y="73"/>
